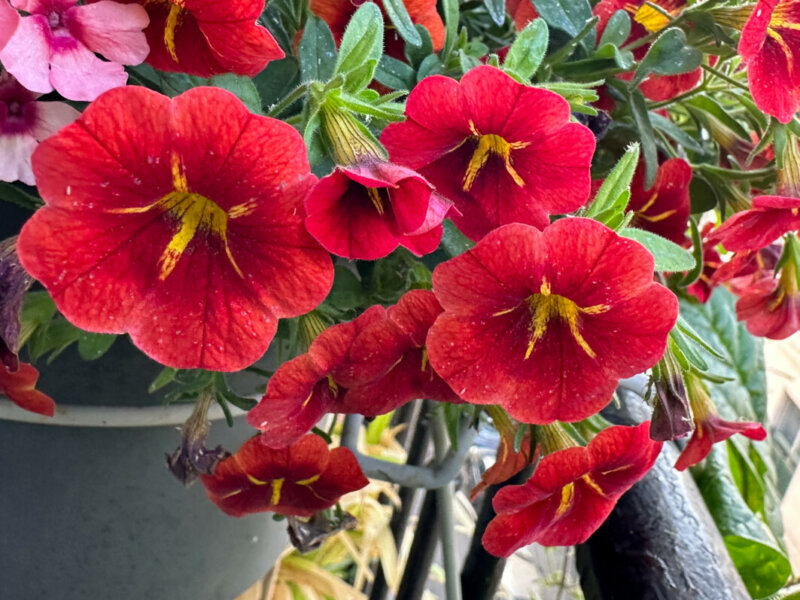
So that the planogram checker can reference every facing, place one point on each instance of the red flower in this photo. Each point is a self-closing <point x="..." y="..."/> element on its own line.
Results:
<point x="770" y="47"/>
<point x="337" y="13"/>
<point x="710" y="431"/>
<point x="664" y="208"/>
<point x="389" y="361"/>
<point x="770" y="307"/>
<point x="503" y="152"/>
<point x="19" y="387"/>
<point x="299" y="480"/>
<point x="208" y="37"/>
<point x="645" y="20"/>
<point x="178" y="221"/>
<point x="522" y="11"/>
<point x="364" y="211"/>
<point x="705" y="284"/>
<point x="709" y="427"/>
<point x="546" y="323"/>
<point x="770" y="218"/>
<point x="305" y="388"/>
<point x="571" y="492"/>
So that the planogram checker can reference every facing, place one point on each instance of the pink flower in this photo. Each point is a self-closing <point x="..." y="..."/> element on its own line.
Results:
<point x="23" y="124"/>
<point x="9" y="19"/>
<point x="54" y="46"/>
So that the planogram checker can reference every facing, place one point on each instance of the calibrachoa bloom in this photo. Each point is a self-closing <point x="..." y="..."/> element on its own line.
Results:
<point x="770" y="47"/>
<point x="709" y="427"/>
<point x="177" y="221"/>
<point x="14" y="282"/>
<point x="54" y="46"/>
<point x="19" y="386"/>
<point x="299" y="480"/>
<point x="23" y="124"/>
<point x="208" y="37"/>
<point x="770" y="218"/>
<point x="571" y="492"/>
<point x="365" y="210"/>
<point x="770" y="307"/>
<point x="503" y="152"/>
<point x="522" y="11"/>
<point x="310" y="385"/>
<point x="337" y="13"/>
<point x="546" y="323"/>
<point x="389" y="361"/>
<point x="664" y="208"/>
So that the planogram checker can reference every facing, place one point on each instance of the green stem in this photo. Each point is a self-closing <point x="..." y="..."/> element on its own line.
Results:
<point x="724" y="77"/>
<point x="678" y="98"/>
<point x="734" y="174"/>
<point x="293" y="97"/>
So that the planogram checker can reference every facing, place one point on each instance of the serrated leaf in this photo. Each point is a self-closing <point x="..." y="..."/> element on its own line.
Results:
<point x="669" y="256"/>
<point x="317" y="51"/>
<point x="528" y="50"/>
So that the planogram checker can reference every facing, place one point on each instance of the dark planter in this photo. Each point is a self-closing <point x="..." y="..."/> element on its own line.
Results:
<point x="91" y="512"/>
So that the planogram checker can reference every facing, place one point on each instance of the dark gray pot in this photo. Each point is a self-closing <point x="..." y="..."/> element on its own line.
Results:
<point x="88" y="513"/>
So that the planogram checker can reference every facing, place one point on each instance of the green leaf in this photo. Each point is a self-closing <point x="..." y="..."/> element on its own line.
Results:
<point x="395" y="74"/>
<point x="92" y="346"/>
<point x="567" y="15"/>
<point x="452" y="415"/>
<point x="317" y="51"/>
<point x="416" y="54"/>
<point x="241" y="87"/>
<point x="497" y="10"/>
<point x="361" y="47"/>
<point x="276" y="81"/>
<point x="670" y="54"/>
<point x="16" y="195"/>
<point x="616" y="183"/>
<point x="707" y="108"/>
<point x="347" y="292"/>
<point x="451" y="14"/>
<point x="669" y="256"/>
<point x="756" y="554"/>
<point x="642" y="119"/>
<point x="377" y="426"/>
<point x="703" y="195"/>
<point x="617" y="30"/>
<point x="453" y="241"/>
<point x="398" y="15"/>
<point x="676" y="133"/>
<point x="528" y="50"/>
<point x="164" y="378"/>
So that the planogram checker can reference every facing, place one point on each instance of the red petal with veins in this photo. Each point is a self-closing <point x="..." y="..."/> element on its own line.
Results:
<point x="178" y="221"/>
<point x="711" y="431"/>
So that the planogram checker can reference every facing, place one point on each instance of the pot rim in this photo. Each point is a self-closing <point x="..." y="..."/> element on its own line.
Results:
<point x="67" y="415"/>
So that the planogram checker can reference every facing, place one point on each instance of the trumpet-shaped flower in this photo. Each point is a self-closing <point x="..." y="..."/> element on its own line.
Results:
<point x="299" y="480"/>
<point x="19" y="386"/>
<point x="503" y="152"/>
<point x="571" y="492"/>
<point x="178" y="221"/>
<point x="546" y="323"/>
<point x="54" y="46"/>
<point x="664" y="208"/>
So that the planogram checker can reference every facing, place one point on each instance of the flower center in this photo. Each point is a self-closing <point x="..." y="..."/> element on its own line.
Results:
<point x="173" y="22"/>
<point x="54" y="20"/>
<point x="375" y="198"/>
<point x="194" y="213"/>
<point x="491" y="144"/>
<point x="642" y="216"/>
<point x="546" y="306"/>
<point x="648" y="17"/>
<point x="14" y="109"/>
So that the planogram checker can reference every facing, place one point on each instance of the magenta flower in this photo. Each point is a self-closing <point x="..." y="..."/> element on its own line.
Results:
<point x="23" y="124"/>
<point x="54" y="46"/>
<point x="9" y="19"/>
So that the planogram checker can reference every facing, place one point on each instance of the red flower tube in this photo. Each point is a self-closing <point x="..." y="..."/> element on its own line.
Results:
<point x="546" y="323"/>
<point x="20" y="387"/>
<point x="208" y="37"/>
<point x="572" y="491"/>
<point x="503" y="152"/>
<point x="756" y="228"/>
<point x="299" y="480"/>
<point x="177" y="221"/>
